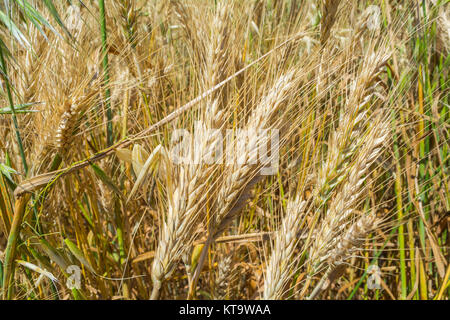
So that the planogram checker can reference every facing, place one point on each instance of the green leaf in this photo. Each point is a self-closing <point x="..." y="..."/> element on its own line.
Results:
<point x="7" y="55"/>
<point x="1" y="274"/>
<point x="78" y="254"/>
<point x="7" y="171"/>
<point x="51" y="7"/>
<point x="19" y="108"/>
<point x="35" y="17"/>
<point x="53" y="254"/>
<point x="85" y="214"/>
<point x="107" y="180"/>
<point x="15" y="32"/>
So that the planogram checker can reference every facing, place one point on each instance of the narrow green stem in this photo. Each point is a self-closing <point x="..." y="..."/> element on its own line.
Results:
<point x="401" y="235"/>
<point x="109" y="129"/>
<point x="13" y="111"/>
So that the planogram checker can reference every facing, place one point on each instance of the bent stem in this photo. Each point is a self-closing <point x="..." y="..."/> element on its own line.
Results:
<point x="156" y="290"/>
<point x="319" y="287"/>
<point x="198" y="269"/>
<point x="8" y="273"/>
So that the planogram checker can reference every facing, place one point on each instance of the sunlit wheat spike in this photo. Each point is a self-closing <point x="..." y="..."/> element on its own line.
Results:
<point x="342" y="205"/>
<point x="191" y="188"/>
<point x="244" y="173"/>
<point x="281" y="263"/>
<point x="329" y="8"/>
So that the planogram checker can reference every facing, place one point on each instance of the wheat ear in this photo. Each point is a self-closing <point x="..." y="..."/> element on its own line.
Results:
<point x="341" y="207"/>
<point x="329" y="8"/>
<point x="280" y="265"/>
<point x="343" y="143"/>
<point x="244" y="172"/>
<point x="70" y="120"/>
<point x="223" y="278"/>
<point x="191" y="191"/>
<point x="352" y="239"/>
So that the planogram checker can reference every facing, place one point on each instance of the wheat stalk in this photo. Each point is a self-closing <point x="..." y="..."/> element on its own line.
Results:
<point x="244" y="172"/>
<point x="347" y="138"/>
<point x="190" y="193"/>
<point x="193" y="31"/>
<point x="341" y="208"/>
<point x="344" y="142"/>
<point x="243" y="175"/>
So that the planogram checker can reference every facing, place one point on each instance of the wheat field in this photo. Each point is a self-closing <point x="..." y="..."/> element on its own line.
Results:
<point x="224" y="149"/>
